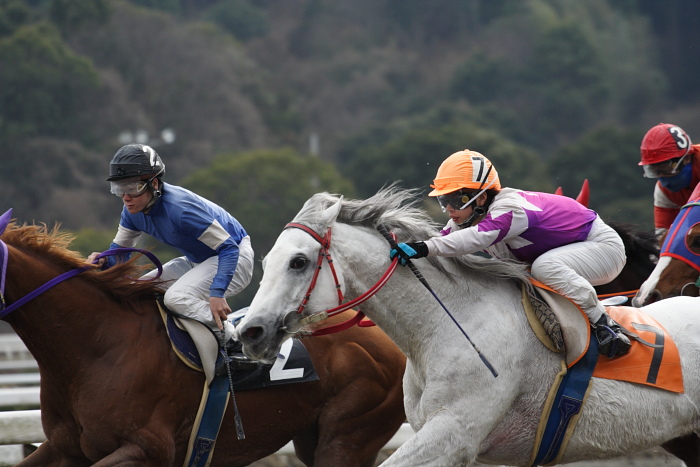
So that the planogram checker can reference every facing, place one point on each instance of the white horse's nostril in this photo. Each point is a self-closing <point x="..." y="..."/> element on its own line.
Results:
<point x="252" y="333"/>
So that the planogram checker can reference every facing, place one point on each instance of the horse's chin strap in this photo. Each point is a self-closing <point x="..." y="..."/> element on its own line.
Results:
<point x="324" y="252"/>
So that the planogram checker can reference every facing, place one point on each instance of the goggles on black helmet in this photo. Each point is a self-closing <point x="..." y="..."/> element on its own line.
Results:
<point x="133" y="188"/>
<point x="667" y="168"/>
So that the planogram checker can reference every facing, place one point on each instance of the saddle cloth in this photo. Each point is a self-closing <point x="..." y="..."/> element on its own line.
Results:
<point x="657" y="367"/>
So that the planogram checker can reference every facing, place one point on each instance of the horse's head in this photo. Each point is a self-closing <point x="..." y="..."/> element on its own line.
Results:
<point x="678" y="269"/>
<point x="299" y="281"/>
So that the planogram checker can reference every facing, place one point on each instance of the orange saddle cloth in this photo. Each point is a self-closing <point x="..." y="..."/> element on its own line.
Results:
<point x="658" y="367"/>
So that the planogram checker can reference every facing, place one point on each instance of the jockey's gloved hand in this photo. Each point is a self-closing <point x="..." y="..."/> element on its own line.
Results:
<point x="408" y="251"/>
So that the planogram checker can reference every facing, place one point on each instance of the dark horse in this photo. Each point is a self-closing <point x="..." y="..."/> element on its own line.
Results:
<point x="114" y="393"/>
<point x="642" y="250"/>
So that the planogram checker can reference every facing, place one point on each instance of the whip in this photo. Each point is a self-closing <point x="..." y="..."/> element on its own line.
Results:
<point x="385" y="233"/>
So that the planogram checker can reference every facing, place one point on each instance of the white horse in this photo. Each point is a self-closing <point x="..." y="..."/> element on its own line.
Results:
<point x="461" y="413"/>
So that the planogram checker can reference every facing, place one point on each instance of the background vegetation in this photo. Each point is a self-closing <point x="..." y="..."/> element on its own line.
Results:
<point x="273" y="100"/>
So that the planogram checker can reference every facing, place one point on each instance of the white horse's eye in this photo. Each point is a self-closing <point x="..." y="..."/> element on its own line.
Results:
<point x="298" y="262"/>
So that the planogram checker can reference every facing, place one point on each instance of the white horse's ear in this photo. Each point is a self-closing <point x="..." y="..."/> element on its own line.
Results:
<point x="331" y="213"/>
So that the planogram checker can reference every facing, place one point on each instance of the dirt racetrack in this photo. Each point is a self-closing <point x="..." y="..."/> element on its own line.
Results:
<point x="655" y="457"/>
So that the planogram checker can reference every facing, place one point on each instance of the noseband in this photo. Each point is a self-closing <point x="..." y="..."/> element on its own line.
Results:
<point x="324" y="253"/>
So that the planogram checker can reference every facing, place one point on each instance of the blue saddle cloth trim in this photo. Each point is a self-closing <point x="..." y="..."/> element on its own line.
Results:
<point x="213" y="414"/>
<point x="568" y="402"/>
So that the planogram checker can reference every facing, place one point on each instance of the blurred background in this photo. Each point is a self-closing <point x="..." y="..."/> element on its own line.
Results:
<point x="258" y="104"/>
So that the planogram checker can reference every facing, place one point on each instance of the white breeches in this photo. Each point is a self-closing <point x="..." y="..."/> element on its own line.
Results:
<point x="574" y="269"/>
<point x="187" y="283"/>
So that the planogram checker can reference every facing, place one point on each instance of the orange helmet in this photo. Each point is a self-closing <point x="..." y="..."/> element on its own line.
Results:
<point x="664" y="142"/>
<point x="465" y="169"/>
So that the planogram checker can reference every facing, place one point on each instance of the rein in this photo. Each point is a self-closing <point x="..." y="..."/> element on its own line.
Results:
<point x="324" y="253"/>
<point x="628" y="293"/>
<point x="6" y="310"/>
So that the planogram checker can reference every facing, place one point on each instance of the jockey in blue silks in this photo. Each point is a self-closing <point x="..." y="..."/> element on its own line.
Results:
<point x="217" y="259"/>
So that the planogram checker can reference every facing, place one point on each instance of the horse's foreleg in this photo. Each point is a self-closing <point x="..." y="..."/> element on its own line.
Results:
<point x="132" y="454"/>
<point x="440" y="442"/>
<point x="47" y="456"/>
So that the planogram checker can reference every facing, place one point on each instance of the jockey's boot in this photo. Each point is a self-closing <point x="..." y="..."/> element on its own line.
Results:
<point x="612" y="342"/>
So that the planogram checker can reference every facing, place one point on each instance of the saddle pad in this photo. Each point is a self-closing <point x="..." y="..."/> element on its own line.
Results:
<point x="575" y="327"/>
<point x="660" y="368"/>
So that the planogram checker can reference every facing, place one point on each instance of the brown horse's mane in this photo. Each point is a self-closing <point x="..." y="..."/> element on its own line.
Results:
<point x="51" y="245"/>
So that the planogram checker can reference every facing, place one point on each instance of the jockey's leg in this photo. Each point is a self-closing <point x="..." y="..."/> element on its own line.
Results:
<point x="574" y="269"/>
<point x="189" y="294"/>
<point x="172" y="271"/>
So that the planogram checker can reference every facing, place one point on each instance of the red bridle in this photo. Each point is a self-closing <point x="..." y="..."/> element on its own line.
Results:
<point x="324" y="252"/>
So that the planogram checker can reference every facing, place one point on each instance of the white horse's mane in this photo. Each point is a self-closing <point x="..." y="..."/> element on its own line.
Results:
<point x="397" y="209"/>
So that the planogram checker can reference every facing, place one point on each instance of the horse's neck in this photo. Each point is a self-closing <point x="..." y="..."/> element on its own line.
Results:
<point x="65" y="320"/>
<point x="419" y="324"/>
<point x="403" y="308"/>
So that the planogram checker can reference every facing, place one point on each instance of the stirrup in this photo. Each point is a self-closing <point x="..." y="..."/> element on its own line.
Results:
<point x="236" y="358"/>
<point x="612" y="342"/>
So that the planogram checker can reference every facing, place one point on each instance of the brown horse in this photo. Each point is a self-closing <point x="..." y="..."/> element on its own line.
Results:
<point x="678" y="270"/>
<point x="114" y="393"/>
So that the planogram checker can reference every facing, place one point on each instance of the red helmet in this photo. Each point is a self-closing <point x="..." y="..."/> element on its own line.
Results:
<point x="664" y="142"/>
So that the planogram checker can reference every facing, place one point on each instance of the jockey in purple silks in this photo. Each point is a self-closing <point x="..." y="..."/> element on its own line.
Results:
<point x="567" y="245"/>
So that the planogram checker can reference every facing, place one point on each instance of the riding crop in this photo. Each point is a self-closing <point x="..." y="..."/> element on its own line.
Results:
<point x="385" y="233"/>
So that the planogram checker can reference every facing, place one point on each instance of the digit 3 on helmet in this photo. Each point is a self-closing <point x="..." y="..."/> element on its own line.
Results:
<point x="461" y="179"/>
<point x="665" y="149"/>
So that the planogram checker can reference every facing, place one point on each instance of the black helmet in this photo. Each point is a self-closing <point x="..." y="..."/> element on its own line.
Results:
<point x="134" y="160"/>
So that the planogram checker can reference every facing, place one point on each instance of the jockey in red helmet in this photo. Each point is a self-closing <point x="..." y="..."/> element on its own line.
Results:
<point x="669" y="156"/>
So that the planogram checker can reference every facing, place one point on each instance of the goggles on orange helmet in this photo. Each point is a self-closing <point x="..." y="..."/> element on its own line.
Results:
<point x="457" y="199"/>
<point x="667" y="168"/>
<point x="460" y="199"/>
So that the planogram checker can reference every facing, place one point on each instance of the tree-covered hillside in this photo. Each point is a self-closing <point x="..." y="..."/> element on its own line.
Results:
<point x="553" y="91"/>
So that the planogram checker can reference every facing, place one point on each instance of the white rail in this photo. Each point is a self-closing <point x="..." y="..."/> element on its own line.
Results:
<point x="19" y="378"/>
<point x="21" y="427"/>
<point x="13" y="397"/>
